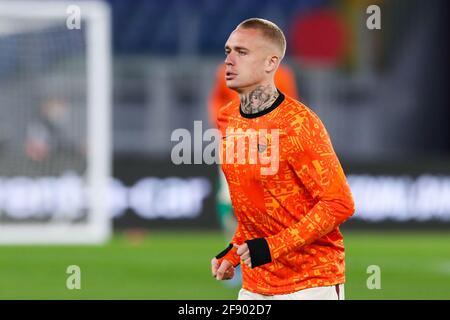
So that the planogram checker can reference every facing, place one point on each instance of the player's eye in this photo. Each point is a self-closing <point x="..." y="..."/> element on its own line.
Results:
<point x="242" y="53"/>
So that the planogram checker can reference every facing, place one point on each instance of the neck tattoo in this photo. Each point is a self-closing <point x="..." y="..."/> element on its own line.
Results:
<point x="258" y="99"/>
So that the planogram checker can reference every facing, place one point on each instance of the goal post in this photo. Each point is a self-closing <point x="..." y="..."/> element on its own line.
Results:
<point x="55" y="111"/>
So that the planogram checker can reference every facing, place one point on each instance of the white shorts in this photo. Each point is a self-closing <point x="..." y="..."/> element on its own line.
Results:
<point x="319" y="293"/>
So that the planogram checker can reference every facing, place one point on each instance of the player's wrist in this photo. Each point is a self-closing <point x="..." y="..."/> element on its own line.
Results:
<point x="229" y="253"/>
<point x="259" y="252"/>
<point x="224" y="252"/>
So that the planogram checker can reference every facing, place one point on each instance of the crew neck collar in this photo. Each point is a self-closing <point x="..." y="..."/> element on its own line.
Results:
<point x="275" y="104"/>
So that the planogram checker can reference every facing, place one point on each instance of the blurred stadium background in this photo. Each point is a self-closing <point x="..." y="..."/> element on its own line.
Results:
<point x="68" y="175"/>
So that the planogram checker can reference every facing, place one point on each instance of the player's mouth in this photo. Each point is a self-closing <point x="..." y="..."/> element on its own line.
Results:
<point x="230" y="75"/>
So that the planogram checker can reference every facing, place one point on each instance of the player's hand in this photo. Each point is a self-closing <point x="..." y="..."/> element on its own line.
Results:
<point x="244" y="253"/>
<point x="224" y="271"/>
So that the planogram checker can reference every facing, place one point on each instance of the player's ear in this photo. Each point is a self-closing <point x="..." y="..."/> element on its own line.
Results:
<point x="272" y="63"/>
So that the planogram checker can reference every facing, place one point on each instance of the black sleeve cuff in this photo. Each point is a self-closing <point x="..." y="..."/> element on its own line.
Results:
<point x="259" y="252"/>
<point x="224" y="252"/>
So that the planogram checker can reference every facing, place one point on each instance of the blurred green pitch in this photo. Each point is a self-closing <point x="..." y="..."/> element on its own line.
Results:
<point x="176" y="265"/>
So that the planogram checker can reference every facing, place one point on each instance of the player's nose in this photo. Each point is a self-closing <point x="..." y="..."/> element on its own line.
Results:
<point x="229" y="59"/>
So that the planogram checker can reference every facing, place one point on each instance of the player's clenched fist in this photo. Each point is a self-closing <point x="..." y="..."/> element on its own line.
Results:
<point x="244" y="253"/>
<point x="223" y="270"/>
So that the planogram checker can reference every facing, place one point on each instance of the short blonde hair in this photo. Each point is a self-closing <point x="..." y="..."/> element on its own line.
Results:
<point x="269" y="30"/>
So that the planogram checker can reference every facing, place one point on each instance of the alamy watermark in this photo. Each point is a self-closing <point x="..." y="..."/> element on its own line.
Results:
<point x="374" y="280"/>
<point x="237" y="146"/>
<point x="74" y="279"/>
<point x="374" y="20"/>
<point x="73" y="21"/>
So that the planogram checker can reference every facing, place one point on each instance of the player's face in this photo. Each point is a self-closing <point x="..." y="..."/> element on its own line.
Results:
<point x="246" y="54"/>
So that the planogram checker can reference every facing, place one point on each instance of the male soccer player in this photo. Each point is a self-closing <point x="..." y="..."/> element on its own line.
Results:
<point x="220" y="95"/>
<point x="287" y="238"/>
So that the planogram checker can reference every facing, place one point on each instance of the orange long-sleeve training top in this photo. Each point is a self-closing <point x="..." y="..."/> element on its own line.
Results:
<point x="288" y="210"/>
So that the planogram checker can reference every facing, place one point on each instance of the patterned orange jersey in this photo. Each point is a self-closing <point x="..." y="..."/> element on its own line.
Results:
<point x="297" y="207"/>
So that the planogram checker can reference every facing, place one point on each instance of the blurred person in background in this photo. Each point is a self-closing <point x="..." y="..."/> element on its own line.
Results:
<point x="51" y="133"/>
<point x="287" y="238"/>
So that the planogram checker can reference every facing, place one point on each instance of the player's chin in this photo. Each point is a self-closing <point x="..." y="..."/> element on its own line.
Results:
<point x="232" y="84"/>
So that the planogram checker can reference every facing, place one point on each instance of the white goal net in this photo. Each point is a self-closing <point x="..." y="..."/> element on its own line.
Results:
<point x="55" y="157"/>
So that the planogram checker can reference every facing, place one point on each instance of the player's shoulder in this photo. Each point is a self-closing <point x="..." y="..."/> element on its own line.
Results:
<point x="227" y="111"/>
<point x="299" y="115"/>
